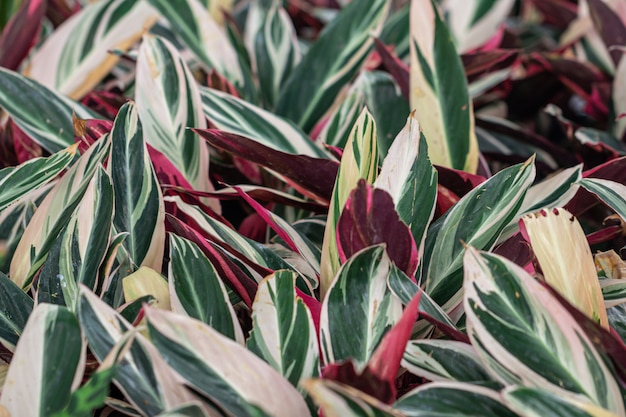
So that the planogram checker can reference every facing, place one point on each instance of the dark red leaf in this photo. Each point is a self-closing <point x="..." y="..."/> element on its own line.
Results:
<point x="370" y="218"/>
<point x="366" y="381"/>
<point x="609" y="25"/>
<point x="313" y="177"/>
<point x="106" y="103"/>
<point x="445" y="200"/>
<point x="227" y="269"/>
<point x="59" y="11"/>
<point x="604" y="235"/>
<point x="451" y="332"/>
<point x="315" y="307"/>
<point x="398" y="69"/>
<point x="217" y="81"/>
<point x="481" y="62"/>
<point x="21" y="33"/>
<point x="86" y="132"/>
<point x="515" y="249"/>
<point x="583" y="200"/>
<point x="558" y="13"/>
<point x="457" y="181"/>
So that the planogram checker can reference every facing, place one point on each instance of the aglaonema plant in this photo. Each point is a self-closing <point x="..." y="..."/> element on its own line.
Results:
<point x="211" y="208"/>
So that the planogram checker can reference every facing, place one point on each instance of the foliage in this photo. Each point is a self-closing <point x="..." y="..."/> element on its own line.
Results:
<point x="315" y="207"/>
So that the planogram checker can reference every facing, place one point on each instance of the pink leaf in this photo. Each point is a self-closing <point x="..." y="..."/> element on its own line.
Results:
<point x="21" y="33"/>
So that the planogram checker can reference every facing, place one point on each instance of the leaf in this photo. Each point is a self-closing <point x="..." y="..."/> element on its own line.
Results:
<point x="142" y="375"/>
<point x="168" y="102"/>
<point x="409" y="177"/>
<point x="221" y="369"/>
<point x="449" y="399"/>
<point x="87" y="37"/>
<point x="369" y="218"/>
<point x="21" y="32"/>
<point x="273" y="45"/>
<point x="444" y="360"/>
<point x="439" y="91"/>
<point x="14" y="313"/>
<point x="199" y="30"/>
<point x="359" y="160"/>
<point x="139" y="206"/>
<point x="146" y="281"/>
<point x="477" y="219"/>
<point x="54" y="213"/>
<point x="90" y="396"/>
<point x="610" y="27"/>
<point x="613" y="194"/>
<point x="339" y="400"/>
<point x="533" y="402"/>
<point x="335" y="63"/>
<point x="18" y="181"/>
<point x="198" y="291"/>
<point x="501" y="312"/>
<point x="313" y="177"/>
<point x="359" y="309"/>
<point x="237" y="116"/>
<point x="43" y="114"/>
<point x="51" y="342"/>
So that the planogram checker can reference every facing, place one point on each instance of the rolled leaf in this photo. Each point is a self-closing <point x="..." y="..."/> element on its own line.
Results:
<point x="283" y="333"/>
<point x="197" y="290"/>
<point x="168" y="103"/>
<point x="87" y="37"/>
<point x="335" y="63"/>
<point x="359" y="309"/>
<point x="51" y="342"/>
<point x="221" y="369"/>
<point x="504" y="305"/>
<point x="439" y="91"/>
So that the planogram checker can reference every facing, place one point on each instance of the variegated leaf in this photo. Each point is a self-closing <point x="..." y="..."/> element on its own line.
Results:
<point x="283" y="332"/>
<point x="240" y="117"/>
<point x="474" y="22"/>
<point x="613" y="291"/>
<point x="396" y="32"/>
<point x="409" y="177"/>
<point x="221" y="369"/>
<point x="339" y="400"/>
<point x="271" y="40"/>
<point x="142" y="376"/>
<point x="146" y="282"/>
<point x="452" y="399"/>
<point x="54" y="214"/>
<point x="532" y="402"/>
<point x="505" y="306"/>
<point x="80" y="250"/>
<point x="168" y="103"/>
<point x="45" y="115"/>
<point x="359" y="160"/>
<point x="51" y="342"/>
<point x="335" y="63"/>
<point x="16" y="182"/>
<point x="14" y="220"/>
<point x="439" y="91"/>
<point x="444" y="360"/>
<point x="205" y="37"/>
<point x="476" y="220"/>
<point x="612" y="193"/>
<point x="197" y="290"/>
<point x="139" y="208"/>
<point x="358" y="309"/>
<point x="87" y="37"/>
<point x="14" y="313"/>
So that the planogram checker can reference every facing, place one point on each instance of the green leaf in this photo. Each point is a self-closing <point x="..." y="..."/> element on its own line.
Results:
<point x="508" y="310"/>
<point x="47" y="363"/>
<point x="87" y="37"/>
<point x="338" y="400"/>
<point x="439" y="92"/>
<point x="359" y="160"/>
<point x="411" y="180"/>
<point x="233" y="378"/>
<point x="452" y="399"/>
<point x="237" y="116"/>
<point x="273" y="45"/>
<point x="476" y="220"/>
<point x="396" y="32"/>
<point x="613" y="291"/>
<point x="45" y="115"/>
<point x="139" y="206"/>
<point x="18" y="181"/>
<point x="89" y="397"/>
<point x="197" y="290"/>
<point x="168" y="103"/>
<point x="16" y="307"/>
<point x="531" y="402"/>
<point x="613" y="194"/>
<point x="336" y="57"/>
<point x="54" y="213"/>
<point x="283" y="332"/>
<point x="358" y="309"/>
<point x="444" y="360"/>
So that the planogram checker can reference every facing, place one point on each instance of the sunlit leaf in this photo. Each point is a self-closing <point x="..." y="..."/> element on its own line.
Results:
<point x="146" y="281"/>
